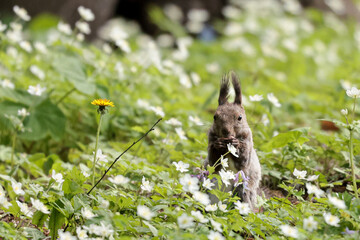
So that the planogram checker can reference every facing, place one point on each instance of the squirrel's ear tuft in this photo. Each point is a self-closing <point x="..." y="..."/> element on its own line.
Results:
<point x="224" y="90"/>
<point x="237" y="88"/>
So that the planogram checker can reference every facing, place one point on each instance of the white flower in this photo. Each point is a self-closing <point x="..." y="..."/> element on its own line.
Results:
<point x="190" y="184"/>
<point x="104" y="203"/>
<point x="23" y="112"/>
<point x="273" y="100"/>
<point x="353" y="92"/>
<point x="265" y="120"/>
<point x="157" y="110"/>
<point x="81" y="233"/>
<point x="185" y="80"/>
<point x="181" y="167"/>
<point x="143" y="104"/>
<point x="87" y="213"/>
<point x="180" y="132"/>
<point x="145" y="212"/>
<point x="6" y="83"/>
<point x="24" y="209"/>
<point x="198" y="15"/>
<point x="17" y="188"/>
<point x="173" y="12"/>
<point x="195" y="78"/>
<point x="173" y="122"/>
<point x="216" y="225"/>
<point x="38" y="205"/>
<point x="289" y="231"/>
<point x="119" y="180"/>
<point x="232" y="150"/>
<point x="57" y="177"/>
<point x="226" y="176"/>
<point x="100" y="156"/>
<point x="36" y="90"/>
<point x="299" y="174"/>
<point x="40" y="47"/>
<point x="208" y="184"/>
<point x="211" y="207"/>
<point x="123" y="45"/>
<point x="337" y="202"/>
<point x="26" y="46"/>
<point x="199" y="216"/>
<point x="185" y="221"/>
<point x="310" y="224"/>
<point x="344" y="111"/>
<point x="104" y="230"/>
<point x="224" y="162"/>
<point x="215" y="236"/>
<point x="202" y="198"/>
<point x="337" y="6"/>
<point x="314" y="190"/>
<point x="86" y="13"/>
<point x="196" y="120"/>
<point x="64" y="28"/>
<point x="222" y="207"/>
<point x="312" y="178"/>
<point x="331" y="219"/>
<point x="83" y="27"/>
<point x="65" y="235"/>
<point x="37" y="72"/>
<point x="244" y="208"/>
<point x="146" y="186"/>
<point x="256" y="98"/>
<point x="21" y="13"/>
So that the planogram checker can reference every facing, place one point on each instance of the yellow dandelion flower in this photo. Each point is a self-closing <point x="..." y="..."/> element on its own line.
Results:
<point x="102" y="103"/>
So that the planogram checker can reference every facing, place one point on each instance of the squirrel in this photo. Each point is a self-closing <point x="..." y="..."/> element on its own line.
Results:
<point x="230" y="126"/>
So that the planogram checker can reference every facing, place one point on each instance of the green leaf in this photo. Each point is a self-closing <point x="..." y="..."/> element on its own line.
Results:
<point x="55" y="222"/>
<point x="74" y="71"/>
<point x="39" y="218"/>
<point x="45" y="119"/>
<point x="33" y="233"/>
<point x="283" y="139"/>
<point x="152" y="228"/>
<point x="71" y="187"/>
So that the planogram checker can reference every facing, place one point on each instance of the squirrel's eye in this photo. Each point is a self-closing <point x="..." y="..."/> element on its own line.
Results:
<point x="240" y="117"/>
<point x="214" y="117"/>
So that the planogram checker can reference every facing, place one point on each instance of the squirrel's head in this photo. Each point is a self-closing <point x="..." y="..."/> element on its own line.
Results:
<point x="230" y="119"/>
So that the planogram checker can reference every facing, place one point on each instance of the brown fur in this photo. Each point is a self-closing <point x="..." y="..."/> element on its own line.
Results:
<point x="227" y="128"/>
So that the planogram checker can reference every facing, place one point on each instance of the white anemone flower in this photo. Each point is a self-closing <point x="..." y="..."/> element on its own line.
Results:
<point x="190" y="184"/>
<point x="36" y="90"/>
<point x="337" y="202"/>
<point x="201" y="197"/>
<point x="208" y="184"/>
<point x="353" y="92"/>
<point x="310" y="224"/>
<point x="256" y="98"/>
<point x="23" y="112"/>
<point x="86" y="14"/>
<point x="87" y="213"/>
<point x="289" y="231"/>
<point x="232" y="150"/>
<point x="312" y="189"/>
<point x="146" y="186"/>
<point x="198" y="216"/>
<point x="299" y="174"/>
<point x="331" y="219"/>
<point x="119" y="180"/>
<point x="21" y="13"/>
<point x="17" y="188"/>
<point x="244" y="208"/>
<point x="38" y="205"/>
<point x="145" y="212"/>
<point x="185" y="221"/>
<point x="273" y="100"/>
<point x="181" y="166"/>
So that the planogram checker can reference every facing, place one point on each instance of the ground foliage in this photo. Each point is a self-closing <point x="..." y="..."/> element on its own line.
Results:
<point x="306" y="59"/>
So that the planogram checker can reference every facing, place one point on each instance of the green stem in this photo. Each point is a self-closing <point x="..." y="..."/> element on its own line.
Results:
<point x="65" y="95"/>
<point x="96" y="148"/>
<point x="13" y="150"/>
<point x="351" y="150"/>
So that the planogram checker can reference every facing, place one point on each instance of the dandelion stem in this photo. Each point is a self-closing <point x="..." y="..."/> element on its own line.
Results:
<point x="116" y="159"/>
<point x="351" y="150"/>
<point x="96" y="148"/>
